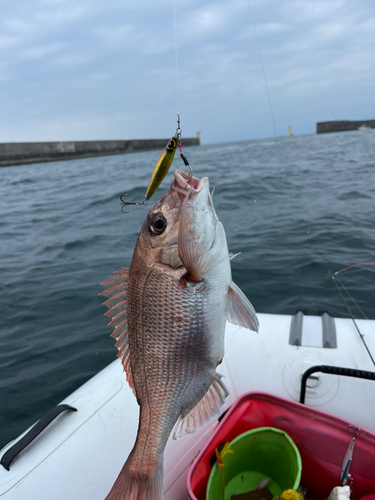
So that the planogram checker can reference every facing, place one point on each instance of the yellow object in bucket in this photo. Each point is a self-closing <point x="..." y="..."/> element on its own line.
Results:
<point x="289" y="495"/>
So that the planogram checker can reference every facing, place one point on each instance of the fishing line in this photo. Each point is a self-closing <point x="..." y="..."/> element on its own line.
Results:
<point x="166" y="158"/>
<point x="274" y="128"/>
<point x="335" y="279"/>
<point x="262" y="64"/>
<point x="319" y="243"/>
<point x="355" y="265"/>
<point x="355" y="324"/>
<point x="179" y="130"/>
<point x="347" y="292"/>
<point x="176" y="59"/>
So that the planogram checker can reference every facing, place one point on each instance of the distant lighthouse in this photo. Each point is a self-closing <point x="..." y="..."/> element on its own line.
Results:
<point x="290" y="131"/>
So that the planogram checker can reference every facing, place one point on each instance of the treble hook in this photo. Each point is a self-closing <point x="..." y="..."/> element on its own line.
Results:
<point x="125" y="203"/>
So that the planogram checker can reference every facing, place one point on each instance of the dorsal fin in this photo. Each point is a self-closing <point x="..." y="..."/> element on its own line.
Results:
<point x="117" y="312"/>
<point x="206" y="408"/>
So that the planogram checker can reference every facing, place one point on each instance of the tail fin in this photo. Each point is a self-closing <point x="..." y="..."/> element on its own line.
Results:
<point x="132" y="484"/>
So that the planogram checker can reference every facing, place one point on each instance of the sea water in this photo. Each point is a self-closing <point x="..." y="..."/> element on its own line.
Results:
<point x="297" y="208"/>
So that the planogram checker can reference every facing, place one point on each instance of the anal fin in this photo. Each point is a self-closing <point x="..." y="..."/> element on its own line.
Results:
<point x="204" y="410"/>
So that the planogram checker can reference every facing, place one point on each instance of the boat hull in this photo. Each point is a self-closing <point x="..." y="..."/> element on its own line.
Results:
<point x="81" y="453"/>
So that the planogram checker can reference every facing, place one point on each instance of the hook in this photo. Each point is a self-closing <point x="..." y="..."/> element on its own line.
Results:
<point x="125" y="203"/>
<point x="355" y="428"/>
<point x="189" y="169"/>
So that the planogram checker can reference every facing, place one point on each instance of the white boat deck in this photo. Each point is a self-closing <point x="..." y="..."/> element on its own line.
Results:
<point x="80" y="454"/>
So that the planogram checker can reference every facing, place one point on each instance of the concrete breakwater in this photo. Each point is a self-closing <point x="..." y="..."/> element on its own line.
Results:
<point x="20" y="153"/>
<point x="342" y="125"/>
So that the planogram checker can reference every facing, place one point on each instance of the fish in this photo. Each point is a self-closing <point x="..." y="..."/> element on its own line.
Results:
<point x="169" y="311"/>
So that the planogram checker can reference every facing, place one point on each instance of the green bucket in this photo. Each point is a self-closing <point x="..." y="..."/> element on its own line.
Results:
<point x="257" y="454"/>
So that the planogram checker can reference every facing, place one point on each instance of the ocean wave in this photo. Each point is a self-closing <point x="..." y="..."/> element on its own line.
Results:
<point x="23" y="181"/>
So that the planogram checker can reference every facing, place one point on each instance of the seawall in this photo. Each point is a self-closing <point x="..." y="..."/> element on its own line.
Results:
<point x="21" y="153"/>
<point x="342" y="125"/>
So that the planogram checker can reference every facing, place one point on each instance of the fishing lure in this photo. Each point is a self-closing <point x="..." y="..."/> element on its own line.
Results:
<point x="348" y="459"/>
<point x="160" y="171"/>
<point x="161" y="168"/>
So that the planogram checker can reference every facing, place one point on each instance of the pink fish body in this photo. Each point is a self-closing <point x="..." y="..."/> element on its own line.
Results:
<point x="169" y="312"/>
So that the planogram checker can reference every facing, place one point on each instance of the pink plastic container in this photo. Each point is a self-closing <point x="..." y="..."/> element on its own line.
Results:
<point x="322" y="440"/>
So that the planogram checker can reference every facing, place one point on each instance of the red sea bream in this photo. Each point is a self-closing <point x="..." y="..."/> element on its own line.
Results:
<point x="169" y="312"/>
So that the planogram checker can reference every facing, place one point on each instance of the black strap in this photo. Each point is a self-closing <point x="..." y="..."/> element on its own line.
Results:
<point x="184" y="160"/>
<point x="333" y="370"/>
<point x="39" y="427"/>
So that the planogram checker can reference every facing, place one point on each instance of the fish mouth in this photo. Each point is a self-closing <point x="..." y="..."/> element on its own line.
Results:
<point x="184" y="185"/>
<point x="195" y="192"/>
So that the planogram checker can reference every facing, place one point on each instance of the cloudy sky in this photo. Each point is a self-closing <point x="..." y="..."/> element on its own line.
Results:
<point x="95" y="69"/>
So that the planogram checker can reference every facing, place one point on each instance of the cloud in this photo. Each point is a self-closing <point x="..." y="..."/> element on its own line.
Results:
<point x="84" y="58"/>
<point x="126" y="37"/>
<point x="53" y="17"/>
<point x="314" y="10"/>
<point x="8" y="41"/>
<point x="72" y="60"/>
<point x="41" y="51"/>
<point x="263" y="30"/>
<point x="18" y="26"/>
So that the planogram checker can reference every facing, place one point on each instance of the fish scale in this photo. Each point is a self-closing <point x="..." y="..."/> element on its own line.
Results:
<point x="161" y="353"/>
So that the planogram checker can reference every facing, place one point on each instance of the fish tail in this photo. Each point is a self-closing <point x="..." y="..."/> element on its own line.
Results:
<point x="137" y="482"/>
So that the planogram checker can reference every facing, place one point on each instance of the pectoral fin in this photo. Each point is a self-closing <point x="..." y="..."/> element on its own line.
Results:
<point x="240" y="311"/>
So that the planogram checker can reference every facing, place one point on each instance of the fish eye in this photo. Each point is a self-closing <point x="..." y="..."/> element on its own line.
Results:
<point x="158" y="223"/>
